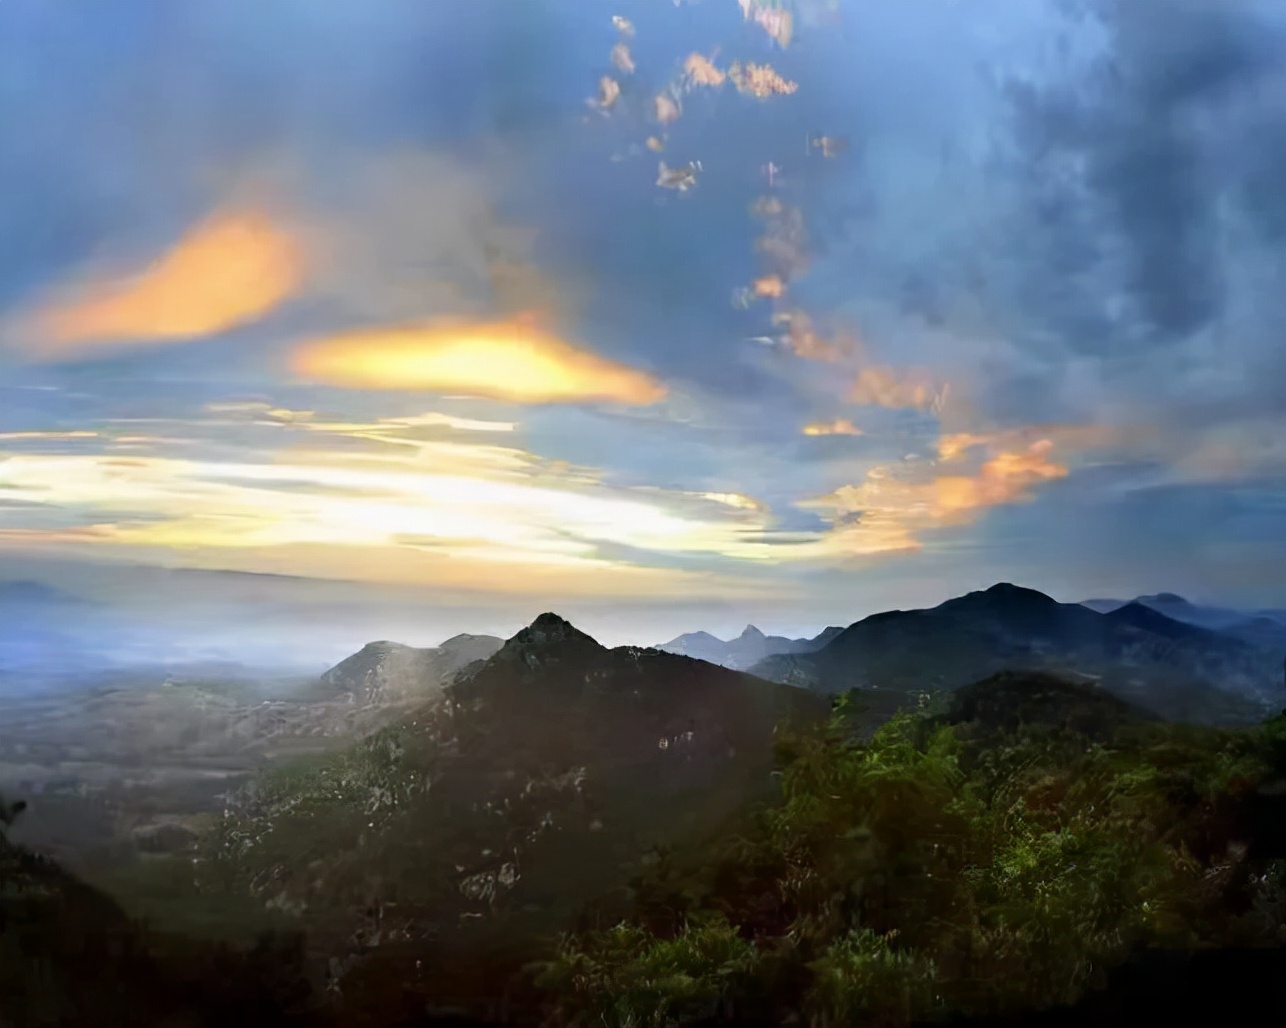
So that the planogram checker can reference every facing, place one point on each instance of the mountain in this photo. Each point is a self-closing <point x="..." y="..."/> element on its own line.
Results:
<point x="1011" y="700"/>
<point x="1177" y="669"/>
<point x="536" y="780"/>
<point x="747" y="649"/>
<point x="1265" y="629"/>
<point x="389" y="673"/>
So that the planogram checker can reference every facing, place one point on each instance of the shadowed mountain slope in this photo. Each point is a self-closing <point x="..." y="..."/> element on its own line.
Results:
<point x="1176" y="669"/>
<point x="537" y="780"/>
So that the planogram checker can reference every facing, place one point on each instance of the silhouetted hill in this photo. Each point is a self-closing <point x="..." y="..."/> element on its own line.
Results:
<point x="747" y="649"/>
<point x="1176" y="669"/>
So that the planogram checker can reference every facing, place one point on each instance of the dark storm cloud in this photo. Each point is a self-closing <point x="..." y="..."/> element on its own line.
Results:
<point x="1131" y="162"/>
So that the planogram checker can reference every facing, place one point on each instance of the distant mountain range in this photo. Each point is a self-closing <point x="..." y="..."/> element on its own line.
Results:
<point x="1265" y="628"/>
<point x="528" y="783"/>
<point x="750" y="647"/>
<point x="1179" y="669"/>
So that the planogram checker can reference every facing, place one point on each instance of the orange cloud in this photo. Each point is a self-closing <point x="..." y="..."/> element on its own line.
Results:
<point x="784" y="242"/>
<point x="509" y="360"/>
<point x="883" y="386"/>
<point x="760" y="81"/>
<point x="667" y="109"/>
<point x="770" y="286"/>
<point x="1006" y="478"/>
<point x="699" y="70"/>
<point x="228" y="271"/>
<point x="954" y="445"/>
<point x="840" y="426"/>
<point x="890" y="512"/>
<point x="805" y="341"/>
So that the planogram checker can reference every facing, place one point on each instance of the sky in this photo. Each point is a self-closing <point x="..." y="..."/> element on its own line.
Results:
<point x="663" y="315"/>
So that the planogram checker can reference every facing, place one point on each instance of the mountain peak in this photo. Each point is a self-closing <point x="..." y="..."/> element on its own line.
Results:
<point x="751" y="632"/>
<point x="1171" y="599"/>
<point x="549" y="635"/>
<point x="549" y="622"/>
<point x="1008" y="590"/>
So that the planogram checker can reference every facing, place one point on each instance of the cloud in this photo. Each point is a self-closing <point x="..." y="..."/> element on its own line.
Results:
<point x="893" y="508"/>
<point x="511" y="360"/>
<point x="760" y="81"/>
<point x="229" y="270"/>
<point x="773" y="18"/>
<point x="840" y="426"/>
<point x="493" y="512"/>
<point x="883" y="386"/>
<point x="48" y="436"/>
<point x="396" y="235"/>
<point x="699" y="70"/>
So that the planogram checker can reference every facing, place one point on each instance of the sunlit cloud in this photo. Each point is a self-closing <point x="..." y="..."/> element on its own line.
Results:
<point x="666" y="108"/>
<point x="466" y="503"/>
<point x="769" y="286"/>
<point x="760" y="81"/>
<point x="804" y="340"/>
<point x="512" y="360"/>
<point x="227" y="271"/>
<point x="699" y="70"/>
<point x="622" y="60"/>
<point x="609" y="91"/>
<point x="48" y="436"/>
<point x="774" y="19"/>
<point x="840" y="426"/>
<point x="893" y="509"/>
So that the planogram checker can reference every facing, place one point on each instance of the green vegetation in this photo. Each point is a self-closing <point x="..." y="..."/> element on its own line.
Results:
<point x="988" y="852"/>
<point x="969" y="867"/>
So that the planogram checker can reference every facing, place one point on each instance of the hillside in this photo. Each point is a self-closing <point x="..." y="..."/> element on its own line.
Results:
<point x="390" y="673"/>
<point x="1040" y="848"/>
<point x="69" y="955"/>
<point x="1178" y="670"/>
<point x="539" y="778"/>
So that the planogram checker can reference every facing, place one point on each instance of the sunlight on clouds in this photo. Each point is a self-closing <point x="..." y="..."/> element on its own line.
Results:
<point x="49" y="436"/>
<point x="228" y="271"/>
<point x="891" y="510"/>
<point x="840" y="426"/>
<point x="510" y="360"/>
<point x="473" y="504"/>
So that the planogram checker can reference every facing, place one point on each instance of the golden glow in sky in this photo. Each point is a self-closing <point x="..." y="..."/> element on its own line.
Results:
<point x="229" y="270"/>
<point x="507" y="360"/>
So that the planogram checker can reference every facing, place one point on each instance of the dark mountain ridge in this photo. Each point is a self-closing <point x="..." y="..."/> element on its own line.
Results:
<point x="1134" y="650"/>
